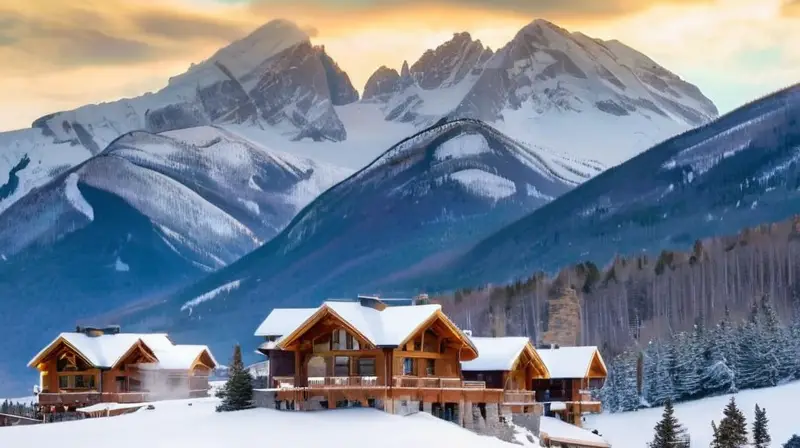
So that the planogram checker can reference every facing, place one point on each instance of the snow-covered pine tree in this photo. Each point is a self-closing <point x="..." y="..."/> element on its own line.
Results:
<point x="778" y="353"/>
<point x="725" y="340"/>
<point x="627" y="382"/>
<point x="669" y="433"/>
<point x="609" y="394"/>
<point x="761" y="438"/>
<point x="688" y="360"/>
<point x="657" y="387"/>
<point x="237" y="393"/>
<point x="794" y="340"/>
<point x="649" y="371"/>
<point x="750" y="342"/>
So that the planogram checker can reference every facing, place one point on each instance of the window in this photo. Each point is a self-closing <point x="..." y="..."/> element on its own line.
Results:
<point x="335" y="339"/>
<point x="430" y="367"/>
<point x="442" y="346"/>
<point x="366" y="366"/>
<point x="408" y="366"/>
<point x="341" y="366"/>
<point x="63" y="382"/>
<point x="84" y="382"/>
<point x="349" y="339"/>
<point x="417" y="346"/>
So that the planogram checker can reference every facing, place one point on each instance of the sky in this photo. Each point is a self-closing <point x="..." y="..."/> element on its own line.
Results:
<point x="59" y="54"/>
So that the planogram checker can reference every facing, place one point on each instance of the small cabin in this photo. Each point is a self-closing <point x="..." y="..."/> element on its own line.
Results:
<point x="574" y="373"/>
<point x="511" y="364"/>
<point x="103" y="365"/>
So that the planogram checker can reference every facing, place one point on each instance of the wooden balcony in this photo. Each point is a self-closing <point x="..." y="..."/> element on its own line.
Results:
<point x="343" y="381"/>
<point x="89" y="398"/>
<point x="523" y="397"/>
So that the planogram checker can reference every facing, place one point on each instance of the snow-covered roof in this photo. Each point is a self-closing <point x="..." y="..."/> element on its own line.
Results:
<point x="105" y="351"/>
<point x="569" y="362"/>
<point x="282" y="321"/>
<point x="495" y="353"/>
<point x="388" y="327"/>
<point x="560" y="431"/>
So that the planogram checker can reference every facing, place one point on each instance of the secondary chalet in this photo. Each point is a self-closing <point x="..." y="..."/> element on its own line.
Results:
<point x="508" y="363"/>
<point x="101" y="365"/>
<point x="400" y="359"/>
<point x="574" y="371"/>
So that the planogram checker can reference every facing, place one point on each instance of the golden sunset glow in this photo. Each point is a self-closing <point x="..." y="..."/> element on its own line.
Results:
<point x="59" y="55"/>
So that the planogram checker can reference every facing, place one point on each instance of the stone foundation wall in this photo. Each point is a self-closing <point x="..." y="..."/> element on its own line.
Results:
<point x="531" y="422"/>
<point x="264" y="398"/>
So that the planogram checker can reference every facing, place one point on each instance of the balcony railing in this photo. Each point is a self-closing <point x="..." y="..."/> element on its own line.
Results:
<point x="283" y="382"/>
<point x="436" y="383"/>
<point x="519" y="397"/>
<point x="343" y="381"/>
<point x="90" y="397"/>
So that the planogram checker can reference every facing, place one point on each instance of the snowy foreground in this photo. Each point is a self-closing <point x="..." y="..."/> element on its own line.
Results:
<point x="635" y="429"/>
<point x="195" y="423"/>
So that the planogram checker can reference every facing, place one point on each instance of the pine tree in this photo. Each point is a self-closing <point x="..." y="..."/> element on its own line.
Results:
<point x="761" y="438"/>
<point x="793" y="442"/>
<point x="669" y="433"/>
<point x="686" y="375"/>
<point x="627" y="382"/>
<point x="237" y="394"/>
<point x="752" y="363"/>
<point x="732" y="429"/>
<point x="777" y="353"/>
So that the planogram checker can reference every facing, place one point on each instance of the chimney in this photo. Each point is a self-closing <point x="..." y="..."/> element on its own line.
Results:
<point x="421" y="299"/>
<point x="373" y="302"/>
<point x="97" y="331"/>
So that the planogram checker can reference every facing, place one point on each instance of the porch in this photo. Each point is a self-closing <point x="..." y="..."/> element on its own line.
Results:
<point x="78" y="399"/>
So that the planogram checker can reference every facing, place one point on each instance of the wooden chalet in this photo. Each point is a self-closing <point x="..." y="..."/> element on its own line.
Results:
<point x="511" y="364"/>
<point x="102" y="365"/>
<point x="574" y="372"/>
<point x="401" y="359"/>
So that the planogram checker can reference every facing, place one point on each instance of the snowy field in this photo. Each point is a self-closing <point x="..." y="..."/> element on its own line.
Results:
<point x="635" y="429"/>
<point x="184" y="423"/>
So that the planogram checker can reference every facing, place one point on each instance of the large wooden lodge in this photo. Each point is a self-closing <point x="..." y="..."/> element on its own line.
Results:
<point x="405" y="359"/>
<point x="102" y="365"/>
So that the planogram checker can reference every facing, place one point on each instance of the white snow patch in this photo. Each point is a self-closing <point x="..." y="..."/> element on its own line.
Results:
<point x="75" y="197"/>
<point x="252" y="206"/>
<point x="211" y="294"/>
<point x="252" y="184"/>
<point x="635" y="429"/>
<point x="464" y="145"/>
<point x="120" y="266"/>
<point x="195" y="423"/>
<point x="484" y="184"/>
<point x="534" y="192"/>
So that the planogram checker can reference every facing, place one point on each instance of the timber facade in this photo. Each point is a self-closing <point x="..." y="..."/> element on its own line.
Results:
<point x="400" y="359"/>
<point x="91" y="366"/>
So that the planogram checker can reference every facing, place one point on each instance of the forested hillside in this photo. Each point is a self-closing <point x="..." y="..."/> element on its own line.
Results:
<point x="637" y="299"/>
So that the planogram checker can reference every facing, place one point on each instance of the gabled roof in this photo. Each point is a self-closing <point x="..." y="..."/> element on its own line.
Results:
<point x="571" y="362"/>
<point x="282" y="321"/>
<point x="388" y="328"/>
<point x="497" y="354"/>
<point x="106" y="351"/>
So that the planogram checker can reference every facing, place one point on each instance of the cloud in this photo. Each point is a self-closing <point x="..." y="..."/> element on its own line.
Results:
<point x="174" y="25"/>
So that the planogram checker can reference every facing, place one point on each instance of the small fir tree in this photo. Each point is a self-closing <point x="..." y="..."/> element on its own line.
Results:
<point x="793" y="442"/>
<point x="761" y="438"/>
<point x="732" y="429"/>
<point x="237" y="394"/>
<point x="669" y="433"/>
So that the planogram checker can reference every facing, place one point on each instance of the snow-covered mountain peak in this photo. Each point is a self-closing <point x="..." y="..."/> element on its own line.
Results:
<point x="245" y="55"/>
<point x="450" y="62"/>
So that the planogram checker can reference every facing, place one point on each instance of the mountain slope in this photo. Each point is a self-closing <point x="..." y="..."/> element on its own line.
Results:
<point x="147" y="215"/>
<point x="426" y="198"/>
<point x="739" y="171"/>
<point x="271" y="79"/>
<point x="542" y="85"/>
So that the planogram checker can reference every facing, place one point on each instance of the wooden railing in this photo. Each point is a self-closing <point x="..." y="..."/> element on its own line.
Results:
<point x="343" y="381"/>
<point x="436" y="383"/>
<point x="519" y="397"/>
<point x="90" y="397"/>
<point x="283" y="382"/>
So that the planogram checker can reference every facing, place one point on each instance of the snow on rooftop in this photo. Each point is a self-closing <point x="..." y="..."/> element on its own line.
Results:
<point x="106" y="350"/>
<point x="567" y="362"/>
<point x="282" y="321"/>
<point x="495" y="353"/>
<point x="388" y="327"/>
<point x="558" y="430"/>
<point x="183" y="423"/>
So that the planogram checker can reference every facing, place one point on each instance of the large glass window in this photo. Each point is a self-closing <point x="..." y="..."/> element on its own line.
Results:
<point x="63" y="382"/>
<point x="341" y="366"/>
<point x="366" y="366"/>
<point x="408" y="366"/>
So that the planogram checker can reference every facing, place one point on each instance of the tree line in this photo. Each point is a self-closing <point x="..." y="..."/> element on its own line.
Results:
<point x="753" y="353"/>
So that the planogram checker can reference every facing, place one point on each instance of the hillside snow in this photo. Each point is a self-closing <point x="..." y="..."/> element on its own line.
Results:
<point x="635" y="429"/>
<point x="195" y="423"/>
